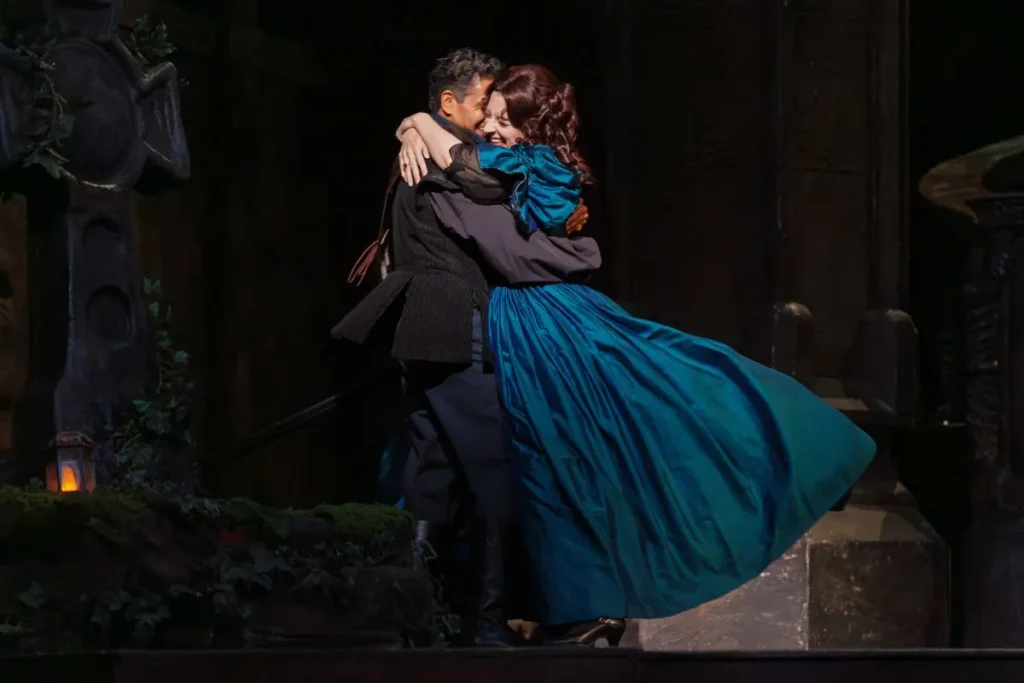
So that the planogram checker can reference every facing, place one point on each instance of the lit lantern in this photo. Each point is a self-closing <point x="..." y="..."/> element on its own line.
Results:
<point x="73" y="464"/>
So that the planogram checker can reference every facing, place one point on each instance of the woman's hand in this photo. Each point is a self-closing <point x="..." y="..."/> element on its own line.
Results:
<point x="412" y="158"/>
<point x="429" y="134"/>
<point x="408" y="123"/>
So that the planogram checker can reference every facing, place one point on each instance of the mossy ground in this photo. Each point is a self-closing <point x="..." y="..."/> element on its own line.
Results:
<point x="113" y="569"/>
<point x="352" y="522"/>
<point x="31" y="520"/>
<point x="39" y="522"/>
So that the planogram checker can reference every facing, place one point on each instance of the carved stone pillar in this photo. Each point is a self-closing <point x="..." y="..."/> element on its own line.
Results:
<point x="984" y="188"/>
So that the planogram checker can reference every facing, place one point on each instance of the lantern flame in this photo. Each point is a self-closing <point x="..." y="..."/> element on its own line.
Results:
<point x="68" y="479"/>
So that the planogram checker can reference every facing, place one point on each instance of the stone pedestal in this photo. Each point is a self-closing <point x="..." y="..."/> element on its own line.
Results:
<point x="995" y="581"/>
<point x="863" y="577"/>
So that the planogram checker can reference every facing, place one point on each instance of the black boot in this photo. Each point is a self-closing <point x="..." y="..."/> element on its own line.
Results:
<point x="429" y="543"/>
<point x="442" y="550"/>
<point x="432" y="543"/>
<point x="488" y="627"/>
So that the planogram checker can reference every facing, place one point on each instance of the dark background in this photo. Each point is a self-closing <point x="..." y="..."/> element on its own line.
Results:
<point x="698" y="117"/>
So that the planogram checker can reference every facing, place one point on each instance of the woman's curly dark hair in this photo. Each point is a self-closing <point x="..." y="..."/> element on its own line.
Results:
<point x="544" y="109"/>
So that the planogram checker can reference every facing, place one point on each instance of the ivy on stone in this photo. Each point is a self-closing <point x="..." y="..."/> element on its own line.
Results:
<point x="148" y="41"/>
<point x="158" y="427"/>
<point x="52" y="121"/>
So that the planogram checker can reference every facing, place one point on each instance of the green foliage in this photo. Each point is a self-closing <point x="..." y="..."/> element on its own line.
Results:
<point x="32" y="597"/>
<point x="158" y="427"/>
<point x="365" y="523"/>
<point x="36" y="522"/>
<point x="364" y="534"/>
<point x="447" y="625"/>
<point x="123" y="617"/>
<point x="15" y="621"/>
<point x="238" y="553"/>
<point x="52" y="122"/>
<point x="147" y="41"/>
<point x="217" y="601"/>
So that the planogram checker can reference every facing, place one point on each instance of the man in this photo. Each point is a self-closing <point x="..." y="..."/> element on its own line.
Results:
<point x="456" y="474"/>
<point x="456" y="469"/>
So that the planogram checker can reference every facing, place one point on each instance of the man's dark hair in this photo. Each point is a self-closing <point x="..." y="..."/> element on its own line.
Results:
<point x="457" y="71"/>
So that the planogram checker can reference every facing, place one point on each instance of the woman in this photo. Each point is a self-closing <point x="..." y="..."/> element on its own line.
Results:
<point x="655" y="470"/>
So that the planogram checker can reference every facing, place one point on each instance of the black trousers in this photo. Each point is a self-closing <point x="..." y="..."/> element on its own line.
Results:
<point x="457" y="467"/>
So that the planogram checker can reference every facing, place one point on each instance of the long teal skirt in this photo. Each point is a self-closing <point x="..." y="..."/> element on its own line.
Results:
<point x="654" y="470"/>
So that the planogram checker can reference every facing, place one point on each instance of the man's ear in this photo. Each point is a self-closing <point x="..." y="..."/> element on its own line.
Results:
<point x="448" y="102"/>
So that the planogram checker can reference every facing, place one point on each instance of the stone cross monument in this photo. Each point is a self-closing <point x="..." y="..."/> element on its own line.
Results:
<point x="90" y="350"/>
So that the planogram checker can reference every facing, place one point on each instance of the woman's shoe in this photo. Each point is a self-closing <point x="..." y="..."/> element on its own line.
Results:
<point x="588" y="633"/>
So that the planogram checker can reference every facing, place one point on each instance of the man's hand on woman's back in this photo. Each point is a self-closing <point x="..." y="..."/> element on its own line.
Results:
<point x="577" y="220"/>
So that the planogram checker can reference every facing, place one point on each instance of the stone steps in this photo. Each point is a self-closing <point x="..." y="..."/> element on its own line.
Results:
<point x="864" y="577"/>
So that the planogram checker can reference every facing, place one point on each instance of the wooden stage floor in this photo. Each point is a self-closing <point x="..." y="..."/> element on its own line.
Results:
<point x="535" y="665"/>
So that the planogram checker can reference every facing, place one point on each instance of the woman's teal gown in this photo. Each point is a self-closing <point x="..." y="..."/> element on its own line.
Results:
<point x="654" y="470"/>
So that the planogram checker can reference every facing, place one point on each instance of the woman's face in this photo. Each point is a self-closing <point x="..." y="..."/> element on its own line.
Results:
<point x="496" y="126"/>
